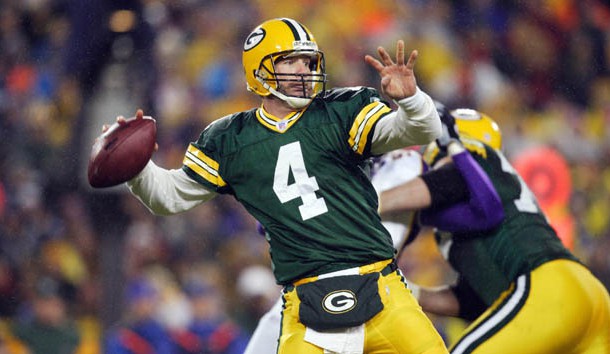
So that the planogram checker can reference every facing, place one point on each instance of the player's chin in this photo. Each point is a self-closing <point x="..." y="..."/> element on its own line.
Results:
<point x="297" y="92"/>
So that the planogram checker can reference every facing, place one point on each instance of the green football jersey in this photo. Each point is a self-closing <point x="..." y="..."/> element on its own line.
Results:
<point x="489" y="261"/>
<point x="302" y="177"/>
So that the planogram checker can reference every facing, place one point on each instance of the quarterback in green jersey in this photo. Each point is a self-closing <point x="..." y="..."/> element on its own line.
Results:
<point x="522" y="289"/>
<point x="296" y="163"/>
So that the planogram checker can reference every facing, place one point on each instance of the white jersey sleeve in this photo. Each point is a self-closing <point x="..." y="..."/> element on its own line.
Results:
<point x="167" y="192"/>
<point x="415" y="122"/>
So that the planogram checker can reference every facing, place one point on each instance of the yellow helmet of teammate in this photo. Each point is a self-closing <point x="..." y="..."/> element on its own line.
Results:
<point x="476" y="125"/>
<point x="277" y="39"/>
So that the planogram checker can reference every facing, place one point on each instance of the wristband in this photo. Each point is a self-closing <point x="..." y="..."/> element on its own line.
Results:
<point x="414" y="102"/>
<point x="455" y="147"/>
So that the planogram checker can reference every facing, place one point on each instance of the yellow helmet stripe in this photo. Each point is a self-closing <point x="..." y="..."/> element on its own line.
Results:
<point x="365" y="120"/>
<point x="203" y="165"/>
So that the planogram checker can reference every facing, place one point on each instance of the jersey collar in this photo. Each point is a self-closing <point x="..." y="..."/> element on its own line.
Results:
<point x="276" y="124"/>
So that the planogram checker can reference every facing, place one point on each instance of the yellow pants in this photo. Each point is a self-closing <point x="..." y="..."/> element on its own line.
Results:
<point x="400" y="328"/>
<point x="560" y="307"/>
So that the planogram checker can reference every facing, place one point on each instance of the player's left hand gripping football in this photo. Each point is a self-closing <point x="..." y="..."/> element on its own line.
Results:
<point x="397" y="78"/>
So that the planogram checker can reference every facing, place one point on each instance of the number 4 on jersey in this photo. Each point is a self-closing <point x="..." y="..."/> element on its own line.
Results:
<point x="290" y="159"/>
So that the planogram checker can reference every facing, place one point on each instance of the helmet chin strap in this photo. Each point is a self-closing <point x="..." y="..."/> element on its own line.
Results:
<point x="293" y="102"/>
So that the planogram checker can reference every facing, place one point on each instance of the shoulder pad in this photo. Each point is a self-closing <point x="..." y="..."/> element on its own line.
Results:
<point x="432" y="154"/>
<point x="220" y="123"/>
<point x="474" y="146"/>
<point x="227" y="121"/>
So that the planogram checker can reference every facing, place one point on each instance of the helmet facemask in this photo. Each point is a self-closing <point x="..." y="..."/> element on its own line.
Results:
<point x="311" y="83"/>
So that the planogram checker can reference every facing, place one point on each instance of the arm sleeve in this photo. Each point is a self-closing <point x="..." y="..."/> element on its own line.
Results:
<point x="167" y="192"/>
<point x="415" y="122"/>
<point x="446" y="186"/>
<point x="482" y="211"/>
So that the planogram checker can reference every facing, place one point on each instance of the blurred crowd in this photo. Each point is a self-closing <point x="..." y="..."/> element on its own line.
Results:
<point x="91" y="270"/>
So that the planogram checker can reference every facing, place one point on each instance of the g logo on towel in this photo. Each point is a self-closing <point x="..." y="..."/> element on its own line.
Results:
<point x="340" y="301"/>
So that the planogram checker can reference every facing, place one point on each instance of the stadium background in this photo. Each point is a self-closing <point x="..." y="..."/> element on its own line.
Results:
<point x="540" y="68"/>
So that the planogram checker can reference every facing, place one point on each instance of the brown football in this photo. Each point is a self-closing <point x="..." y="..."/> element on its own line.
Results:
<point x="121" y="152"/>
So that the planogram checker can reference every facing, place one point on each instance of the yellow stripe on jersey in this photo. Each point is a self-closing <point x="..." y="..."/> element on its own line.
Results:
<point x="203" y="165"/>
<point x="430" y="153"/>
<point x="475" y="146"/>
<point x="365" y="120"/>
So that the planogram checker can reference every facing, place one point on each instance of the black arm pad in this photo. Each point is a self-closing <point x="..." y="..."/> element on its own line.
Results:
<point x="446" y="186"/>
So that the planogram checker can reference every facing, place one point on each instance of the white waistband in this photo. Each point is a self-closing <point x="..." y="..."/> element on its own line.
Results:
<point x="339" y="273"/>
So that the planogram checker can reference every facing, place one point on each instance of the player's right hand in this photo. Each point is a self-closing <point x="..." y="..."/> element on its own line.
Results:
<point x="397" y="77"/>
<point x="121" y="120"/>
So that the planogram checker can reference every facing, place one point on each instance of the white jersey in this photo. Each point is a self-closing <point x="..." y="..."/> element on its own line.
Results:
<point x="390" y="170"/>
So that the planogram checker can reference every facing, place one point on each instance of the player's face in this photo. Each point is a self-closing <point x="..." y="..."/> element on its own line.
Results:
<point x="292" y="71"/>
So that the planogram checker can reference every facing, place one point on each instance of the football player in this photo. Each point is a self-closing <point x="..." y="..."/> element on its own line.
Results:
<point x="296" y="163"/>
<point x="387" y="171"/>
<point x="522" y="289"/>
<point x="392" y="169"/>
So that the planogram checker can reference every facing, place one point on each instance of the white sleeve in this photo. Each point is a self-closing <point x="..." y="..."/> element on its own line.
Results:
<point x="415" y="122"/>
<point x="167" y="192"/>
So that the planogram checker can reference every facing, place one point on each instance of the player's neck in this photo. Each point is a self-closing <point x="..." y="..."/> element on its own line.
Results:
<point x="277" y="107"/>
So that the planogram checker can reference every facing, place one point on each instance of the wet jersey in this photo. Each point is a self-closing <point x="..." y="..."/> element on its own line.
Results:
<point x="303" y="179"/>
<point x="487" y="262"/>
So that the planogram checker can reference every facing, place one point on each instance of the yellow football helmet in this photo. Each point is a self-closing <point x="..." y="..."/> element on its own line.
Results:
<point x="277" y="39"/>
<point x="478" y="126"/>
